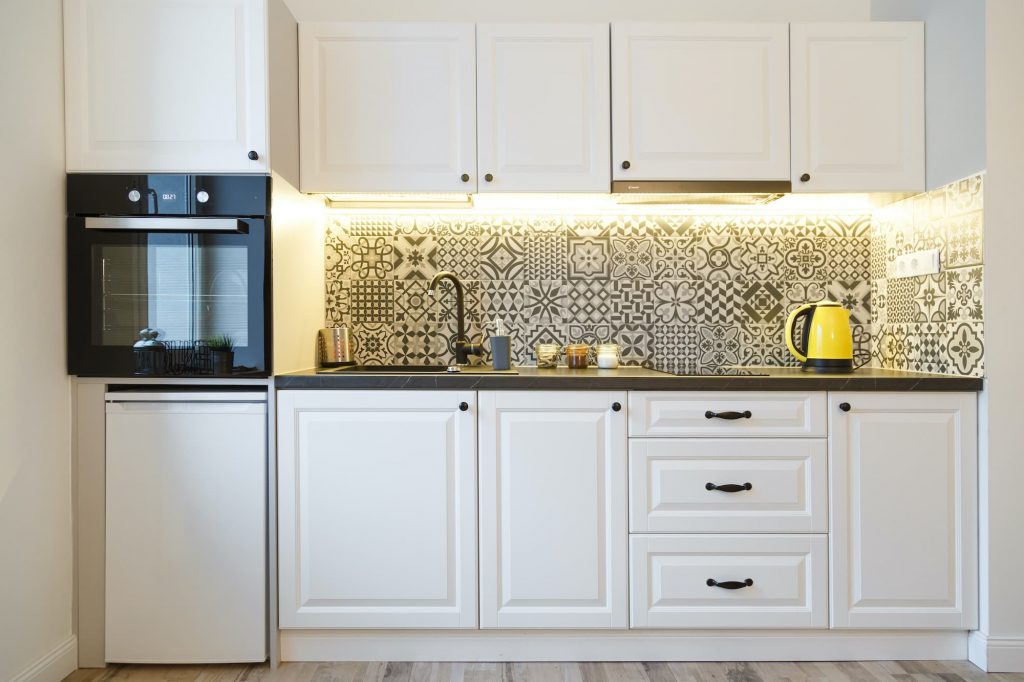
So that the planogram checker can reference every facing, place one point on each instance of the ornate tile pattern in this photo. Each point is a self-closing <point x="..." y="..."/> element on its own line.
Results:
<point x="679" y="292"/>
<point x="933" y="323"/>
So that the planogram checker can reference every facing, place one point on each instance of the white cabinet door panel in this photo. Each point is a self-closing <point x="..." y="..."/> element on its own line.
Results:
<point x="377" y="508"/>
<point x="772" y="581"/>
<point x="858" y="107"/>
<point x="904" y="510"/>
<point x="783" y="485"/>
<point x="552" y="510"/>
<point x="543" y="107"/>
<point x="700" y="101"/>
<point x="166" y="85"/>
<point x="732" y="414"/>
<point x="387" y="107"/>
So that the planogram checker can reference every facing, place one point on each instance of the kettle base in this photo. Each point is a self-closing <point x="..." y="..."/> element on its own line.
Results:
<point x="828" y="366"/>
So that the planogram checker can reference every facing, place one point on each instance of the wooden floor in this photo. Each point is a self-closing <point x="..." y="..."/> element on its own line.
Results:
<point x="870" y="671"/>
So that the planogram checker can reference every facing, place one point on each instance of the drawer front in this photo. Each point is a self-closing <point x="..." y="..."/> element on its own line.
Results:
<point x="787" y="575"/>
<point x="726" y="413"/>
<point x="669" y="485"/>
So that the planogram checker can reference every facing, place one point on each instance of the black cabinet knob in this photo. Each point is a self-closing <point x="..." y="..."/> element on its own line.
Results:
<point x="464" y="406"/>
<point x="805" y="177"/>
<point x="488" y="177"/>
<point x="616" y="407"/>
<point x="465" y="177"/>
<point x="253" y="156"/>
<point x="625" y="165"/>
<point x="845" y="407"/>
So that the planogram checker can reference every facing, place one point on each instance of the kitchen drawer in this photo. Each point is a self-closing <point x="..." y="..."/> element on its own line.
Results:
<point x="739" y="414"/>
<point x="669" y="479"/>
<point x="670" y="574"/>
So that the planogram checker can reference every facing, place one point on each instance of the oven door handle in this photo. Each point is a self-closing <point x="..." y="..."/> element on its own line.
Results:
<point x="176" y="224"/>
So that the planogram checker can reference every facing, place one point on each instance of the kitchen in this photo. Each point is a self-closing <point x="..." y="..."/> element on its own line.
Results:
<point x="316" y="258"/>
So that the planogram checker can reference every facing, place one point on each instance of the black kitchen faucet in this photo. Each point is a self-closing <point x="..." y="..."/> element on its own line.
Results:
<point x="463" y="346"/>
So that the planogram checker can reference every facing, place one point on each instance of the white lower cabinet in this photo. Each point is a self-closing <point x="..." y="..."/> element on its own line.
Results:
<point x="904" y="510"/>
<point x="553" y="509"/>
<point x="377" y="509"/>
<point x="729" y="581"/>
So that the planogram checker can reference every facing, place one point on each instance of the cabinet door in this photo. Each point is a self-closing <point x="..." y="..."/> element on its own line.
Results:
<point x="700" y="101"/>
<point x="377" y="509"/>
<point x="858" y="107"/>
<point x="553" y="510"/>
<point x="387" y="107"/>
<point x="166" y="85"/>
<point x="903" y="510"/>
<point x="542" y="105"/>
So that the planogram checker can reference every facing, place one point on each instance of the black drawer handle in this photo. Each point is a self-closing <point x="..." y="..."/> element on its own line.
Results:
<point x="730" y="584"/>
<point x="729" y="487"/>
<point x="728" y="415"/>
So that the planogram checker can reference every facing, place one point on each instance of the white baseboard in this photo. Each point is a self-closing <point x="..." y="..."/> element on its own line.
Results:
<point x="786" y="645"/>
<point x="996" y="654"/>
<point x="54" y="666"/>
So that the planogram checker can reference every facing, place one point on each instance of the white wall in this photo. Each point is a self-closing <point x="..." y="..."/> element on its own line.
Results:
<point x="955" y="81"/>
<point x="1000" y="645"/>
<point x="35" y="462"/>
<point x="580" y="10"/>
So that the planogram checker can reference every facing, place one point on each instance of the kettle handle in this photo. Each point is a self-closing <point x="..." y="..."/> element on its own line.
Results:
<point x="805" y="309"/>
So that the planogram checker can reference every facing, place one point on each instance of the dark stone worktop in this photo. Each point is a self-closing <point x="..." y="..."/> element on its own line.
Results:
<point x="639" y="379"/>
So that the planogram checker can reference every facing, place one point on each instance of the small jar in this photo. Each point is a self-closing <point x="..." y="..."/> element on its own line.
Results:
<point x="547" y="355"/>
<point x="577" y="356"/>
<point x="608" y="355"/>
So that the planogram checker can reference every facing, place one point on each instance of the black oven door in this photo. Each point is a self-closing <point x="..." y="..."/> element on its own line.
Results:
<point x="189" y="279"/>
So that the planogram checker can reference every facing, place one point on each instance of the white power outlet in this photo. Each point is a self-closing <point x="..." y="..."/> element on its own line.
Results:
<point x="917" y="263"/>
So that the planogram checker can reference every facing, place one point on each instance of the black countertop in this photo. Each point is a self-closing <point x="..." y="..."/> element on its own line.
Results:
<point x="636" y="378"/>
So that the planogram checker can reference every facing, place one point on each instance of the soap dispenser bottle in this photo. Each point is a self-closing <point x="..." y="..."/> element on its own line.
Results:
<point x="501" y="346"/>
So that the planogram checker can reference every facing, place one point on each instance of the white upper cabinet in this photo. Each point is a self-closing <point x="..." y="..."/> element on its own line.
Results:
<point x="553" y="533"/>
<point x="387" y="107"/>
<point x="166" y="85"/>
<point x="543" y="107"/>
<point x="694" y="101"/>
<point x="858" y="107"/>
<point x="903" y="510"/>
<point x="377" y="509"/>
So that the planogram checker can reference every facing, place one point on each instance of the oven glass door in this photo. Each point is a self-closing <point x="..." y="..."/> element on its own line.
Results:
<point x="189" y="286"/>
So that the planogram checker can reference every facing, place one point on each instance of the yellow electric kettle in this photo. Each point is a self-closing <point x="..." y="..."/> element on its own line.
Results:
<point x="827" y="342"/>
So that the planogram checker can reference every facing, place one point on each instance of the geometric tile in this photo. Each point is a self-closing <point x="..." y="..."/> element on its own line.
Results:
<point x="632" y="257"/>
<point x="855" y="296"/>
<point x="675" y="257"/>
<point x="415" y="256"/>
<point x="964" y="294"/>
<point x="674" y="301"/>
<point x="763" y="302"/>
<point x="718" y="303"/>
<point x="588" y="257"/>
<point x="413" y="303"/>
<point x="459" y="253"/>
<point x="372" y="301"/>
<point x="545" y="254"/>
<point x="762" y="258"/>
<point x="547" y="301"/>
<point x="963" y="240"/>
<point x="373" y="343"/>
<point x="967" y="348"/>
<point x="931" y="298"/>
<point x="718" y="344"/>
<point x="502" y="254"/>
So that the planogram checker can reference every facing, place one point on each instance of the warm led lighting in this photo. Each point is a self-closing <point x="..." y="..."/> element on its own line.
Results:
<point x="395" y="200"/>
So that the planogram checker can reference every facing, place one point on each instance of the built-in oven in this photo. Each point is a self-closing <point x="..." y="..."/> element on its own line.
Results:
<point x="168" y="274"/>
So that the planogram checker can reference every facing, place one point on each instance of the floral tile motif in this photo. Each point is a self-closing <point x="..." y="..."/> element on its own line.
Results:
<point x="415" y="256"/>
<point x="798" y="293"/>
<point x="372" y="301"/>
<point x="806" y="258"/>
<point x="674" y="301"/>
<point x="588" y="257"/>
<point x="547" y="301"/>
<point x="855" y="296"/>
<point x="718" y="344"/>
<point x="880" y="301"/>
<point x="762" y="258"/>
<point x="963" y="240"/>
<point x="502" y="254"/>
<point x="632" y="257"/>
<point x="675" y="257"/>
<point x="369" y="257"/>
<point x="720" y="258"/>
<point x="413" y="303"/>
<point x="863" y="344"/>
<point x="337" y="311"/>
<point x="965" y="299"/>
<point x="963" y="196"/>
<point x="930" y="299"/>
<point x="967" y="348"/>
<point x="373" y="343"/>
<point x="764" y="344"/>
<point x="447" y="305"/>
<point x="589" y="333"/>
<point x="415" y="344"/>
<point x="637" y="346"/>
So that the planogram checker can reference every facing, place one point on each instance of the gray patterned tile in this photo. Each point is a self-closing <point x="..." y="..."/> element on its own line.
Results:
<point x="718" y="303"/>
<point x="547" y="301"/>
<point x="632" y="257"/>
<point x="763" y="302"/>
<point x="718" y="344"/>
<point x="806" y="258"/>
<point x="967" y="348"/>
<point x="589" y="257"/>
<point x="415" y="256"/>
<point x="963" y="240"/>
<point x="372" y="301"/>
<point x="413" y="303"/>
<point x="855" y="296"/>
<point x="545" y="252"/>
<point x="372" y="343"/>
<point x="964" y="295"/>
<point x="675" y="301"/>
<point x="503" y="253"/>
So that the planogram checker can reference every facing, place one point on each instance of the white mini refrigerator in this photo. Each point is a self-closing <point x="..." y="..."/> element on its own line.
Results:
<point x="186" y="526"/>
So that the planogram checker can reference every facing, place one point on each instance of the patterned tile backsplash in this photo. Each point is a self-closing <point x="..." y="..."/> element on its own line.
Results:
<point x="933" y="323"/>
<point x="683" y="293"/>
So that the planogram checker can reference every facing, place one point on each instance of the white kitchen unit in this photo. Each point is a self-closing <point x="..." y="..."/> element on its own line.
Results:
<point x="742" y="414"/>
<point x="553" y="509"/>
<point x="377" y="509"/>
<point x="728" y="581"/>
<point x="696" y="101"/>
<point x="904" y="510"/>
<point x="700" y="485"/>
<point x="166" y="85"/>
<point x="543" y="107"/>
<point x="186" y="526"/>
<point x="858" y="107"/>
<point x="387" y="107"/>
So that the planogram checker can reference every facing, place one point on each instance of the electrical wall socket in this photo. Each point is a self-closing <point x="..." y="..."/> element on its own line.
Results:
<point x="917" y="263"/>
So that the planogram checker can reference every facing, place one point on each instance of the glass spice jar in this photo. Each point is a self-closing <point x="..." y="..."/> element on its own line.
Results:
<point x="608" y="355"/>
<point x="547" y="355"/>
<point x="577" y="356"/>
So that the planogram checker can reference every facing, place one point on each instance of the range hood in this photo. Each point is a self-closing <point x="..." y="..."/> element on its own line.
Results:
<point x="731" y="192"/>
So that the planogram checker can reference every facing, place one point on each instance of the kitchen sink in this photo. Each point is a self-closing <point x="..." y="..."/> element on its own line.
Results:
<point x="412" y="369"/>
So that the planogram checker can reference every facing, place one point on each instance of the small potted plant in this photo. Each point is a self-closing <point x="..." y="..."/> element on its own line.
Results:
<point x="222" y="351"/>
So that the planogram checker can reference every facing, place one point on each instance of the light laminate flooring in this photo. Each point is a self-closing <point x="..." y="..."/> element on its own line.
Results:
<point x="863" y="671"/>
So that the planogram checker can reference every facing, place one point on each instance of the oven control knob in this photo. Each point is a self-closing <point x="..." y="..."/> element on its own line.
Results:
<point x="134" y="195"/>
<point x="202" y="196"/>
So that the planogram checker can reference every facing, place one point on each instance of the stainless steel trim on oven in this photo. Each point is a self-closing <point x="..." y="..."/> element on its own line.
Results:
<point x="179" y="224"/>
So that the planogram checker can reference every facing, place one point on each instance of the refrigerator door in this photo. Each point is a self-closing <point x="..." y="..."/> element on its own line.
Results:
<point x="186" y="527"/>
